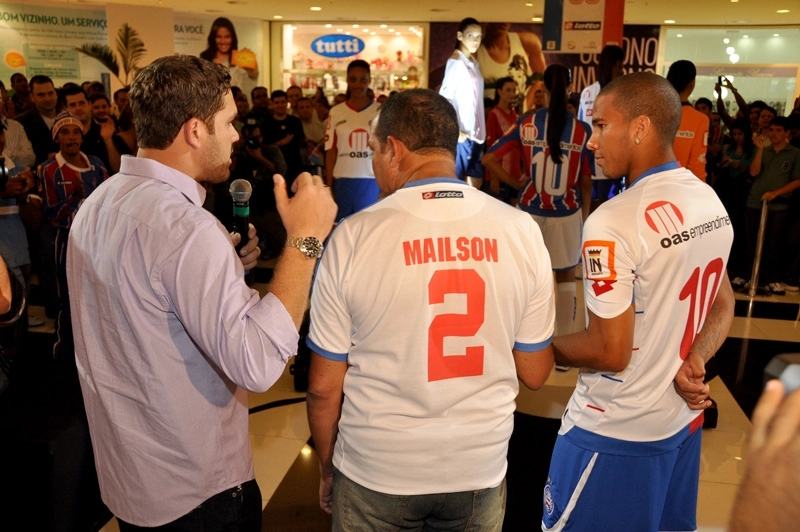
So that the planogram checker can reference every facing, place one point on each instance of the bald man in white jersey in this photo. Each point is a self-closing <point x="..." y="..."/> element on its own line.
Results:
<point x="659" y="306"/>
<point x="431" y="314"/>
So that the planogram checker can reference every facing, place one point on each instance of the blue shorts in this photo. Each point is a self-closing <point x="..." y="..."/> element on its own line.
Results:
<point x="604" y="484"/>
<point x="468" y="159"/>
<point x="354" y="194"/>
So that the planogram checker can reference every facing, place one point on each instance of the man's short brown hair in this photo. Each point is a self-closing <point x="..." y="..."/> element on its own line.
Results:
<point x="171" y="91"/>
<point x="647" y="94"/>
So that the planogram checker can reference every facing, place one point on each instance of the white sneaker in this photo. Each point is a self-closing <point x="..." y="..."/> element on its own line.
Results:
<point x="776" y="289"/>
<point x="791" y="287"/>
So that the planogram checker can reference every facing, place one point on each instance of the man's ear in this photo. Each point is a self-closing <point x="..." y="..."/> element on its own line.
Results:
<point x="194" y="131"/>
<point x="396" y="149"/>
<point x="642" y="127"/>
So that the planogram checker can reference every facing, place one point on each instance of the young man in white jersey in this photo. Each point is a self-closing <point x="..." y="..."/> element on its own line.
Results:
<point x="431" y="313"/>
<point x="659" y="305"/>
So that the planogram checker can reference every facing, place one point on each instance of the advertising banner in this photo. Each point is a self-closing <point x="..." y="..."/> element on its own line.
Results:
<point x="43" y="40"/>
<point x="582" y="26"/>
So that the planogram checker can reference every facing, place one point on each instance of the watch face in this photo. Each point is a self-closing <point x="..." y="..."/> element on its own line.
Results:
<point x="312" y="247"/>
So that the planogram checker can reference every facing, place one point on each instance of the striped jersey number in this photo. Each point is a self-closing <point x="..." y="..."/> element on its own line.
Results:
<point x="454" y="365"/>
<point x="700" y="290"/>
<point x="551" y="178"/>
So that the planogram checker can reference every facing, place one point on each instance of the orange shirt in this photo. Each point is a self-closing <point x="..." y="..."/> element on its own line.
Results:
<point x="691" y="141"/>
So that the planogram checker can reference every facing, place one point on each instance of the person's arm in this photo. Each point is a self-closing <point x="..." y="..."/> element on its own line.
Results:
<point x="310" y="212"/>
<point x="697" y="154"/>
<point x="492" y="163"/>
<point x="688" y="381"/>
<point x="586" y="194"/>
<point x="755" y="164"/>
<point x="107" y="130"/>
<point x="721" y="110"/>
<point x="533" y="367"/>
<point x="772" y="472"/>
<point x="330" y="162"/>
<point x="324" y="405"/>
<point x="606" y="345"/>
<point x="5" y="288"/>
<point x="533" y="47"/>
<point x="789" y="187"/>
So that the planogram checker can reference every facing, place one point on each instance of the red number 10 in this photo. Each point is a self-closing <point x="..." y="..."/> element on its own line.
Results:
<point x="451" y="366"/>
<point x="690" y="290"/>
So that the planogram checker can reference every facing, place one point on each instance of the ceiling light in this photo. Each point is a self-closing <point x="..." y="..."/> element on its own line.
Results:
<point x="679" y="35"/>
<point x="383" y="26"/>
<point x="536" y="19"/>
<point x="328" y="25"/>
<point x="339" y="30"/>
<point x="355" y="25"/>
<point x="669" y="21"/>
<point x="729" y="50"/>
<point x="726" y="40"/>
<point x="315" y="8"/>
<point x="734" y="1"/>
<point x="347" y="33"/>
<point x="372" y="33"/>
<point x="365" y="30"/>
<point x="734" y="58"/>
<point x="528" y="4"/>
<point x="776" y="34"/>
<point x="782" y="11"/>
<point x="745" y="36"/>
<point x="277" y="16"/>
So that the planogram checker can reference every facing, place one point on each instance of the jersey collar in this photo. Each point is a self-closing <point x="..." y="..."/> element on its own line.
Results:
<point x="672" y="165"/>
<point x="433" y="180"/>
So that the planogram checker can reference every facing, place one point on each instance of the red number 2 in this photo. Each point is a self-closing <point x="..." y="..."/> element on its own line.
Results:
<point x="451" y="366"/>
<point x="699" y="309"/>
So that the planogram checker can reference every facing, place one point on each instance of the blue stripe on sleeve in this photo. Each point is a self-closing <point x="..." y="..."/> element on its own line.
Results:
<point x="529" y="348"/>
<point x="336" y="357"/>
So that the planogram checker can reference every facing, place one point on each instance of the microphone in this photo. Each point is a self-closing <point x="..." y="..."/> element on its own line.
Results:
<point x="240" y="190"/>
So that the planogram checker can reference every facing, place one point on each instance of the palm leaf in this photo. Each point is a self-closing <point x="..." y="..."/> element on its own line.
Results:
<point x="102" y="53"/>
<point x="130" y="48"/>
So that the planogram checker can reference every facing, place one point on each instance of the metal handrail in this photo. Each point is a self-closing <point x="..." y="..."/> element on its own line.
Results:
<point x="759" y="248"/>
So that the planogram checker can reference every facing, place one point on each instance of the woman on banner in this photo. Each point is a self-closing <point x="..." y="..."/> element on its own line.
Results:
<point x="516" y="54"/>
<point x="463" y="88"/>
<point x="223" y="48"/>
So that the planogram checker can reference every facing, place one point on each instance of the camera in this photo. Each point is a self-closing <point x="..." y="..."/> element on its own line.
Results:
<point x="3" y="174"/>
<point x="251" y="142"/>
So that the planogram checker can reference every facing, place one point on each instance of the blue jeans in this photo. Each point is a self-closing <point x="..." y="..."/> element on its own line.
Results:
<point x="233" y="510"/>
<point x="358" y="509"/>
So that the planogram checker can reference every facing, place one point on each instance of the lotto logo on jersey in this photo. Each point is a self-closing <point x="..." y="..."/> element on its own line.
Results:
<point x="358" y="140"/>
<point x="440" y="194"/>
<point x="528" y="134"/>
<point x="582" y="26"/>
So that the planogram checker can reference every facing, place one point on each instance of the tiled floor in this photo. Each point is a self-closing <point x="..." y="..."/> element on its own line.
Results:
<point x="286" y="467"/>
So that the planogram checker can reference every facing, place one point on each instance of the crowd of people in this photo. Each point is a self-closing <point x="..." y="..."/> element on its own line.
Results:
<point x="121" y="210"/>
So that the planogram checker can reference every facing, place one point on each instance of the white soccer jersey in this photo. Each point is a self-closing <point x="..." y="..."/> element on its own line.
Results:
<point x="348" y="132"/>
<point x="425" y="301"/>
<point x="588" y="97"/>
<point x="663" y="246"/>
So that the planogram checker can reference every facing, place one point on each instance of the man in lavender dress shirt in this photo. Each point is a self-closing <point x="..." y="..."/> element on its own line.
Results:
<point x="168" y="337"/>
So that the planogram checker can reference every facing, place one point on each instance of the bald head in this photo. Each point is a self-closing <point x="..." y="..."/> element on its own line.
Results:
<point x="646" y="94"/>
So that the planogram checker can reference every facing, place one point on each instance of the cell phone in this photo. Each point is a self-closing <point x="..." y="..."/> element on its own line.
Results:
<point x="786" y="368"/>
<point x="719" y="81"/>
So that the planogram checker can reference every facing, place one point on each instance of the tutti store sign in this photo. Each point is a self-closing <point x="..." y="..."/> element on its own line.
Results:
<point x="337" y="46"/>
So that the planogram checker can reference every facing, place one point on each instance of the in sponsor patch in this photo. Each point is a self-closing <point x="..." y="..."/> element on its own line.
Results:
<point x="441" y="194"/>
<point x="598" y="260"/>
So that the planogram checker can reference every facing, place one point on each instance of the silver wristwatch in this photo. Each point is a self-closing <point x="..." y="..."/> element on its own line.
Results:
<point x="310" y="246"/>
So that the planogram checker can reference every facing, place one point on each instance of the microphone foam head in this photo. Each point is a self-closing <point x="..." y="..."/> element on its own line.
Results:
<point x="240" y="190"/>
